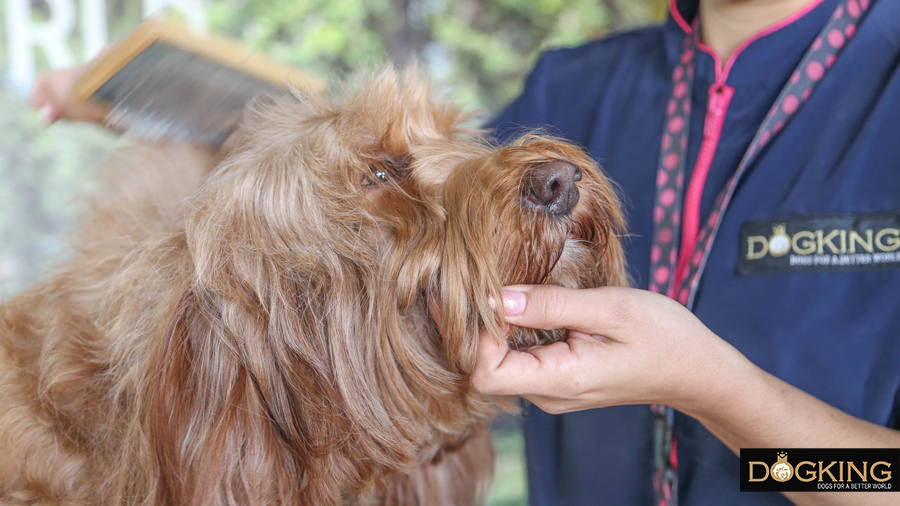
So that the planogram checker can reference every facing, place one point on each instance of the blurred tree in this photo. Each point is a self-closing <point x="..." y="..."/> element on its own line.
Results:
<point x="478" y="49"/>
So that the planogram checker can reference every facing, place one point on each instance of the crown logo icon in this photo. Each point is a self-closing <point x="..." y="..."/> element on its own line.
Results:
<point x="779" y="242"/>
<point x="782" y="470"/>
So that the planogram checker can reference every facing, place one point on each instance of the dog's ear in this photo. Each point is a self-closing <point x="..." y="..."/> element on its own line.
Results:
<point x="212" y="427"/>
<point x="189" y="422"/>
<point x="252" y="400"/>
<point x="612" y="268"/>
<point x="468" y="284"/>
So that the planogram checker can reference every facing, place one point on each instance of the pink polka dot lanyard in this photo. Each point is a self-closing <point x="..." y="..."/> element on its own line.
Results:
<point x="664" y="261"/>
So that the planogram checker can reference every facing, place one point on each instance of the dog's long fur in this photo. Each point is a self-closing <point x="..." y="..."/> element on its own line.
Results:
<point x="255" y="326"/>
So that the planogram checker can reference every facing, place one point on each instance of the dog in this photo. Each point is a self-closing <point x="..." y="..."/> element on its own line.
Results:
<point x="290" y="319"/>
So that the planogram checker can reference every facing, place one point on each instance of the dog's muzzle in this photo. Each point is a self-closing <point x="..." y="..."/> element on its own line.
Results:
<point x="552" y="188"/>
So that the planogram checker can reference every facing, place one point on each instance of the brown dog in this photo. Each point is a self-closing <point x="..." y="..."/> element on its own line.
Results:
<point x="262" y="334"/>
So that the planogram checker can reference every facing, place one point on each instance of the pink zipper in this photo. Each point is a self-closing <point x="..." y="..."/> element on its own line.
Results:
<point x="720" y="95"/>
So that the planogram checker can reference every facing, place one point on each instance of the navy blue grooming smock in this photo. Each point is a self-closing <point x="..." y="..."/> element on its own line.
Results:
<point x="823" y="314"/>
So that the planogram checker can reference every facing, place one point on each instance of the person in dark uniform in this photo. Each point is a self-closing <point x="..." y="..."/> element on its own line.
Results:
<point x="756" y="144"/>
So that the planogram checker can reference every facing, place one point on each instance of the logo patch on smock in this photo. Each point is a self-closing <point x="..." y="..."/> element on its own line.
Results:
<point x="833" y="242"/>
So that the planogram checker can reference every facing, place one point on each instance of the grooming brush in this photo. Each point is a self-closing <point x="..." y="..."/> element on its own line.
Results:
<point x="163" y="82"/>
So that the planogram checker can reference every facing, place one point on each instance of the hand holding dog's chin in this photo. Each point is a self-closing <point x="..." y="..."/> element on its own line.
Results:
<point x="625" y="346"/>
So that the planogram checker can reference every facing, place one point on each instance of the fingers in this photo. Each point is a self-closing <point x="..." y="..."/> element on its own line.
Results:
<point x="50" y="96"/>
<point x="591" y="311"/>
<point x="492" y="354"/>
<point x="500" y="370"/>
<point x="44" y="99"/>
<point x="553" y="370"/>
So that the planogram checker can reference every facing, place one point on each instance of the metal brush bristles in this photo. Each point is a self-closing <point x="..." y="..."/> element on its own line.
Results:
<point x="167" y="94"/>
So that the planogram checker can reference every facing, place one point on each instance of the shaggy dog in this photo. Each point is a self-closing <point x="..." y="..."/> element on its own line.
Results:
<point x="256" y="326"/>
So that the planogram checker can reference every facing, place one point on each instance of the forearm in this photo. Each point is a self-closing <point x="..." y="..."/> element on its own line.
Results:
<point x="630" y="346"/>
<point x="750" y="408"/>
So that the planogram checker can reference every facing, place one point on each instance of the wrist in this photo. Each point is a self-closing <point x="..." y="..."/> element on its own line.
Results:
<point x="719" y="384"/>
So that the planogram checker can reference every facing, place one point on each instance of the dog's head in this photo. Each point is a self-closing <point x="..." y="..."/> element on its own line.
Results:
<point x="336" y="230"/>
<point x="372" y="205"/>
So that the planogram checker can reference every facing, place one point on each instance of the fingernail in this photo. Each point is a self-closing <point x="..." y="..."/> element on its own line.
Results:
<point x="46" y="114"/>
<point x="513" y="302"/>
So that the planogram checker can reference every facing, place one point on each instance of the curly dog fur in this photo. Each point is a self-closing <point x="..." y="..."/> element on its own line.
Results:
<point x="255" y="326"/>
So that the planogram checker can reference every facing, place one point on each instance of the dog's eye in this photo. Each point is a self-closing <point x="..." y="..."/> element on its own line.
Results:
<point x="385" y="171"/>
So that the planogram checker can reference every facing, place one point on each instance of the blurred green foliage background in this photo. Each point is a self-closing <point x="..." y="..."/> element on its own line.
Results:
<point x="476" y="52"/>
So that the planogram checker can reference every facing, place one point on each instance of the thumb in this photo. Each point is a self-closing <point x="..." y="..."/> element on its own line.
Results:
<point x="591" y="311"/>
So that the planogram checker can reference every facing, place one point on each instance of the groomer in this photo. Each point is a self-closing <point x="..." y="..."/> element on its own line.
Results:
<point x="756" y="144"/>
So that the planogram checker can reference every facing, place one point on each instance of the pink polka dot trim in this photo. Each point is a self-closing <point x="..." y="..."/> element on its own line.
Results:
<point x="698" y="257"/>
<point x="655" y="254"/>
<point x="676" y="124"/>
<point x="814" y="70"/>
<point x="667" y="197"/>
<point x="850" y="30"/>
<point x="658" y="214"/>
<point x="790" y="104"/>
<point x="752" y="150"/>
<point x="670" y="161"/>
<point x="665" y="235"/>
<point x="662" y="177"/>
<point x="836" y="38"/>
<point x="853" y="8"/>
<point x="661" y="275"/>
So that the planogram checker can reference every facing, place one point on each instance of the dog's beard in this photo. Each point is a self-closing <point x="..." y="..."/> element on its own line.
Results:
<point x="568" y="252"/>
<point x="570" y="266"/>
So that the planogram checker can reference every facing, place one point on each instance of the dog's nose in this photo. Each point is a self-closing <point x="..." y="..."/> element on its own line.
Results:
<point x="551" y="187"/>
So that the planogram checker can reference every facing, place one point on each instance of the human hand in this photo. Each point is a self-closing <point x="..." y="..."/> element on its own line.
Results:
<point x="51" y="97"/>
<point x="625" y="346"/>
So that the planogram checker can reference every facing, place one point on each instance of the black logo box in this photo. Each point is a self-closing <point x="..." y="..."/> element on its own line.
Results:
<point x="890" y="457"/>
<point x="857" y="222"/>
